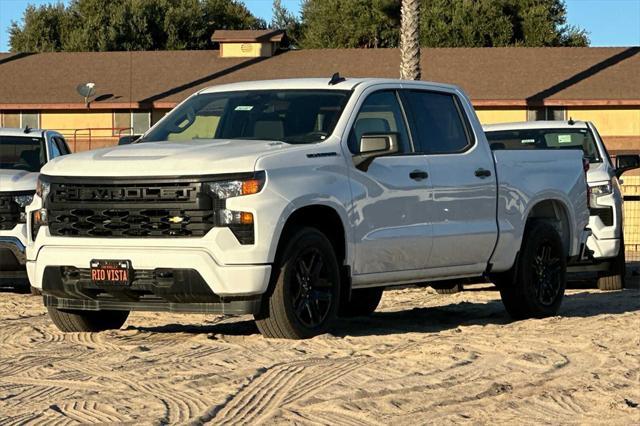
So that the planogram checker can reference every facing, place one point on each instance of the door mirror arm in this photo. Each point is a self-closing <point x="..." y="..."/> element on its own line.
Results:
<point x="374" y="145"/>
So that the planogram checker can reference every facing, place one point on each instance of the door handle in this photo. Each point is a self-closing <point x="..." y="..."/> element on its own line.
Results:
<point x="483" y="173"/>
<point x="418" y="175"/>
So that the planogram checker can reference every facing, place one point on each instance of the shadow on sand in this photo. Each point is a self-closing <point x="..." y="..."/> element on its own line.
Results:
<point x="433" y="319"/>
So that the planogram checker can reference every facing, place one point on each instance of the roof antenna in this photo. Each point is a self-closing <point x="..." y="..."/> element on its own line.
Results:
<point x="335" y="79"/>
<point x="27" y="129"/>
<point x="571" y="122"/>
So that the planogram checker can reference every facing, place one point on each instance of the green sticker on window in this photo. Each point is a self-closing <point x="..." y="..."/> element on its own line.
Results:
<point x="564" y="138"/>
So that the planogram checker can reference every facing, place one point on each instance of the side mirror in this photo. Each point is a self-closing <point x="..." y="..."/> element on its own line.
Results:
<point x="626" y="162"/>
<point x="126" y="140"/>
<point x="374" y="145"/>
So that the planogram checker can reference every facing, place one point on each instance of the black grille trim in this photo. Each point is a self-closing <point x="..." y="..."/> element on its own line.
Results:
<point x="130" y="210"/>
<point x="604" y="213"/>
<point x="10" y="210"/>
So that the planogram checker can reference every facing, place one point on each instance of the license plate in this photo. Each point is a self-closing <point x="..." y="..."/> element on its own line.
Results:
<point x="111" y="272"/>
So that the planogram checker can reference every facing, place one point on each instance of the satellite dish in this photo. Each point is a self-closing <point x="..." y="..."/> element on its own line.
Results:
<point x="86" y="90"/>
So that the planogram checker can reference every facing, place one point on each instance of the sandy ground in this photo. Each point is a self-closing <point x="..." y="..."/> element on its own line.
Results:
<point x="422" y="358"/>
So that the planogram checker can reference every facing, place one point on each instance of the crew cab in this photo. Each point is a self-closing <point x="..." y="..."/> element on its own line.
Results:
<point x="299" y="201"/>
<point x="23" y="152"/>
<point x="606" y="244"/>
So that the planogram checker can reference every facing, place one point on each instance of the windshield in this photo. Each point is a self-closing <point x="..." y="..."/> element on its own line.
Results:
<point x="22" y="153"/>
<point x="292" y="116"/>
<point x="546" y="139"/>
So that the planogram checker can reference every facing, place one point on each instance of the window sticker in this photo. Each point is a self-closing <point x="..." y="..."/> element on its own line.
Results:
<point x="244" y="107"/>
<point x="525" y="141"/>
<point x="564" y="138"/>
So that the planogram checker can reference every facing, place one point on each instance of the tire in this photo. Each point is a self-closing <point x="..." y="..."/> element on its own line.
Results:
<point x="540" y="275"/>
<point x="363" y="302"/>
<point x="613" y="279"/>
<point x="453" y="290"/>
<point x="305" y="291"/>
<point x="70" y="321"/>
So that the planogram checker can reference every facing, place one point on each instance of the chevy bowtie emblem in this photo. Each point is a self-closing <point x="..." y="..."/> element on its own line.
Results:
<point x="176" y="219"/>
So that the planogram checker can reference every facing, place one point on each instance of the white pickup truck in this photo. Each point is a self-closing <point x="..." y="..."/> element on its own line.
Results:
<point x="606" y="243"/>
<point x="23" y="152"/>
<point x="298" y="201"/>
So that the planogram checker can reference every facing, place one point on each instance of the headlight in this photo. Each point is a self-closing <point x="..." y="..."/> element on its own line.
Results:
<point x="597" y="191"/>
<point x="236" y="188"/>
<point x="42" y="188"/>
<point x="23" y="200"/>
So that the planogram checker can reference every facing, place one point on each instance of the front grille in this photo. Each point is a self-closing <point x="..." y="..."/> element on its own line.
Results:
<point x="9" y="211"/>
<point x="604" y="213"/>
<point x="135" y="210"/>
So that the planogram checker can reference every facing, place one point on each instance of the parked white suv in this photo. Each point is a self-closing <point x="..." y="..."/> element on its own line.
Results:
<point x="606" y="201"/>
<point x="23" y="152"/>
<point x="294" y="200"/>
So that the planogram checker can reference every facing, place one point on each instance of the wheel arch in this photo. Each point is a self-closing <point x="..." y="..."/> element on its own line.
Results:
<point x="556" y="213"/>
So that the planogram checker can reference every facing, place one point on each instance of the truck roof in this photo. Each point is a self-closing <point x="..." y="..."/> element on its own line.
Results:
<point x="315" y="84"/>
<point x="10" y="131"/>
<point x="522" y="125"/>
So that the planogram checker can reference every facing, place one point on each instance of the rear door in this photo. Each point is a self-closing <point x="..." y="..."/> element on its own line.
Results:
<point x="462" y="175"/>
<point x="390" y="196"/>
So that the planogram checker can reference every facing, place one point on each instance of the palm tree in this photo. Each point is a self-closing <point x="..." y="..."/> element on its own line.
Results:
<point x="410" y="40"/>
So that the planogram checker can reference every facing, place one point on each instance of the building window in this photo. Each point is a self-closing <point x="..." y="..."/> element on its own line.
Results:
<point x="140" y="121"/>
<point x="31" y="119"/>
<point x="11" y="119"/>
<point x="131" y="122"/>
<point x="21" y="119"/>
<point x="547" y="113"/>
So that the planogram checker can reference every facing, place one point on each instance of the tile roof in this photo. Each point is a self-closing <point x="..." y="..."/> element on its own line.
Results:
<point x="500" y="76"/>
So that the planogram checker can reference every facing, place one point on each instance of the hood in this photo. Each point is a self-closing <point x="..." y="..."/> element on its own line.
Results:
<point x="17" y="180"/>
<point x="192" y="158"/>
<point x="598" y="172"/>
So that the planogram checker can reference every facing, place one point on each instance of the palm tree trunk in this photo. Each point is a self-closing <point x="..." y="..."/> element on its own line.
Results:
<point x="410" y="40"/>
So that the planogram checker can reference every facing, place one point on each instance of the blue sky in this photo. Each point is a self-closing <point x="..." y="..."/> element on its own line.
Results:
<point x="609" y="22"/>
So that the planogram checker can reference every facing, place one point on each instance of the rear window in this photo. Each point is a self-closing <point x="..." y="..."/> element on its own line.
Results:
<point x="524" y="139"/>
<point x="22" y="153"/>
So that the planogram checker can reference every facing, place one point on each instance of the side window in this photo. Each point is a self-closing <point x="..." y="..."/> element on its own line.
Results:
<point x="53" y="149"/>
<point x="62" y="146"/>
<point x="380" y="113"/>
<point x="439" y="124"/>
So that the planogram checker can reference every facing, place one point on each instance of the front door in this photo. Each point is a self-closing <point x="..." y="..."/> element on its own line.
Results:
<point x="391" y="196"/>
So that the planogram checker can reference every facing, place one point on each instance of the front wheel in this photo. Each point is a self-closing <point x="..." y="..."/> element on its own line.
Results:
<point x="70" y="321"/>
<point x="363" y="302"/>
<point x="304" y="299"/>
<point x="613" y="279"/>
<point x="541" y="275"/>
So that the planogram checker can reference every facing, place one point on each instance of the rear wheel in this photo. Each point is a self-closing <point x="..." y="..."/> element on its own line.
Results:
<point x="540" y="277"/>
<point x="305" y="296"/>
<point x="70" y="321"/>
<point x="451" y="290"/>
<point x="613" y="279"/>
<point x="363" y="302"/>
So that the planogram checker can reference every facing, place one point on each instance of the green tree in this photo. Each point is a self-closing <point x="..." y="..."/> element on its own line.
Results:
<point x="283" y="19"/>
<point x="350" y="23"/>
<point x="47" y="25"/>
<point x="96" y="25"/>
<point x="443" y="23"/>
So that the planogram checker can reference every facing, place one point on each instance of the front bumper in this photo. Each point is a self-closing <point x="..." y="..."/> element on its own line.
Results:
<point x="12" y="249"/>
<point x="162" y="289"/>
<point x="223" y="280"/>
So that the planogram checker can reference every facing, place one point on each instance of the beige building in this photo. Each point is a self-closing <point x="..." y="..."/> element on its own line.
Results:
<point x="135" y="89"/>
